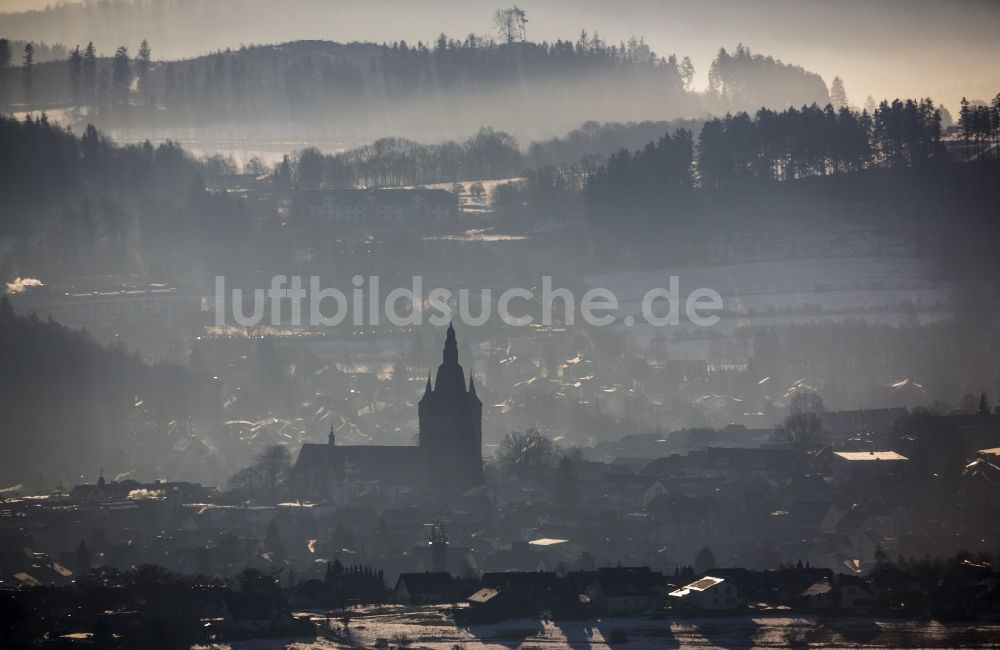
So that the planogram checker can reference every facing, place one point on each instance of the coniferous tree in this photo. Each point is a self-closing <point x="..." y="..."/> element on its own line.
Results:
<point x="121" y="76"/>
<point x="965" y="121"/>
<point x="90" y="73"/>
<point x="75" y="74"/>
<point x="838" y="96"/>
<point x="28" y="71"/>
<point x="5" y="59"/>
<point x="143" y="61"/>
<point x="687" y="72"/>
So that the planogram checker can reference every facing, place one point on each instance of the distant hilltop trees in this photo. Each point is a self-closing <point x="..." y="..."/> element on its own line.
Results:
<point x="771" y="146"/>
<point x="746" y="81"/>
<point x="406" y="87"/>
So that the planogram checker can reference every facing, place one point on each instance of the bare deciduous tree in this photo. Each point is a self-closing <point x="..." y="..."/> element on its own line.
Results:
<point x="804" y="420"/>
<point x="511" y="23"/>
<point x="526" y="455"/>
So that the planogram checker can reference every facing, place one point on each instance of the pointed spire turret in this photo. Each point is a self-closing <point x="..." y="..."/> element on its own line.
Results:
<point x="472" y="391"/>
<point x="428" y="391"/>
<point x="450" y="382"/>
<point x="450" y="347"/>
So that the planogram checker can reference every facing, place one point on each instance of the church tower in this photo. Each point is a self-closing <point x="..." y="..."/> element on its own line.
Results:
<point x="451" y="425"/>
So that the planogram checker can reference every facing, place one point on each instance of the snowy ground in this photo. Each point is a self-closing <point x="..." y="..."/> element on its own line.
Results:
<point x="431" y="627"/>
<point x="276" y="644"/>
<point x="836" y="282"/>
<point x="889" y="290"/>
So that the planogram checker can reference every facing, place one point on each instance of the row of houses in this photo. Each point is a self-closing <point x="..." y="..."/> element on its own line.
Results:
<point x="617" y="591"/>
<point x="974" y="591"/>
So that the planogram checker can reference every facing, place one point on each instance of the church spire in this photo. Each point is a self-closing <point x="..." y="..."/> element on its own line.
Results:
<point x="450" y="377"/>
<point x="450" y="347"/>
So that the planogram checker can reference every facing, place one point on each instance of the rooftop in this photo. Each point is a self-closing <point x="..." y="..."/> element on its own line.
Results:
<point x="701" y="584"/>
<point x="484" y="595"/>
<point x="869" y="455"/>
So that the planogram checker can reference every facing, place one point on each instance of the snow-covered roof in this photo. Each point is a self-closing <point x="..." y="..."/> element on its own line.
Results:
<point x="869" y="455"/>
<point x="701" y="584"/>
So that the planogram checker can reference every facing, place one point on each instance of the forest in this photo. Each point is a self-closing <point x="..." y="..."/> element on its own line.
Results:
<point x="77" y="399"/>
<point x="775" y="146"/>
<point x="563" y="82"/>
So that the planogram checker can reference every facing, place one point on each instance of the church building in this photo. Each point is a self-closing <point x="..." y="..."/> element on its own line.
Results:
<point x="449" y="453"/>
<point x="451" y="425"/>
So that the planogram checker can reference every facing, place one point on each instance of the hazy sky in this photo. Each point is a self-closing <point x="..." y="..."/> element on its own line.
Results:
<point x="883" y="48"/>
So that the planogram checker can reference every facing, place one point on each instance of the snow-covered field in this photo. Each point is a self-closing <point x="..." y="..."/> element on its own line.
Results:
<point x="889" y="290"/>
<point x="431" y="627"/>
<point x="835" y="282"/>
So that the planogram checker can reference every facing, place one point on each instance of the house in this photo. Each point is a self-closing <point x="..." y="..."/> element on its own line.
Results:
<point x="846" y="424"/>
<point x="992" y="454"/>
<point x="32" y="569"/>
<point x="656" y="489"/>
<point x="483" y="596"/>
<point x="427" y="588"/>
<point x="625" y="591"/>
<point x="811" y="517"/>
<point x="852" y="593"/>
<point x="736" y="464"/>
<point x="529" y="591"/>
<point x="861" y="465"/>
<point x="890" y="517"/>
<point x="844" y="592"/>
<point x="489" y="604"/>
<point x="795" y="582"/>
<point x="104" y="491"/>
<point x="707" y="593"/>
<point x="982" y="474"/>
<point x="948" y="440"/>
<point x="312" y="594"/>
<point x="818" y="595"/>
<point x="855" y="521"/>
<point x="746" y="464"/>
<point x="619" y="591"/>
<point x="752" y="586"/>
